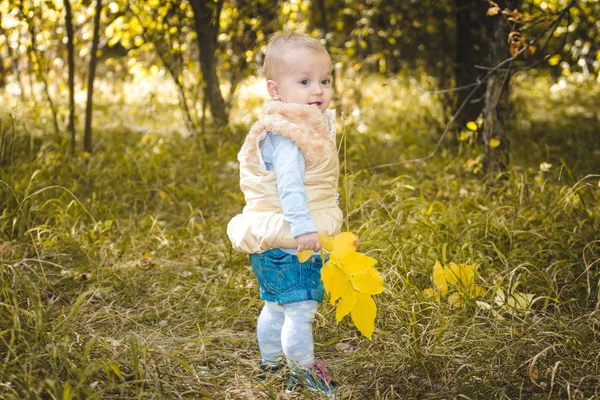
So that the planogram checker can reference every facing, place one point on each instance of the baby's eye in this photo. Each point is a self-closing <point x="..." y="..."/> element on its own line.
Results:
<point x="325" y="81"/>
<point x="304" y="82"/>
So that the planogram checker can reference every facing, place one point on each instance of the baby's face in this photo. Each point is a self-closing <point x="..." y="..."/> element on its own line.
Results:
<point x="304" y="77"/>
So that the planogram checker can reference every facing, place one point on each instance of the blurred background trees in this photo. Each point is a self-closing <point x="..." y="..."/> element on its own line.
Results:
<point x="208" y="47"/>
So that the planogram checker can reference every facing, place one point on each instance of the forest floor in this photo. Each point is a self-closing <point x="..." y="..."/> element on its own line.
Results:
<point x="117" y="279"/>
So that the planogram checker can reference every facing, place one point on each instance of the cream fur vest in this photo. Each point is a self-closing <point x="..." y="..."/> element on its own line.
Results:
<point x="261" y="226"/>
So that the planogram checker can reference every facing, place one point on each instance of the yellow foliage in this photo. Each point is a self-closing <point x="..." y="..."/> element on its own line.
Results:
<point x="516" y="301"/>
<point x="344" y="243"/>
<point x="459" y="277"/>
<point x="363" y="314"/>
<point x="554" y="60"/>
<point x="346" y="303"/>
<point x="304" y="255"/>
<point x="350" y="279"/>
<point x="471" y="125"/>
<point x="494" y="143"/>
<point x="336" y="282"/>
<point x="439" y="279"/>
<point x="326" y="242"/>
<point x="463" y="275"/>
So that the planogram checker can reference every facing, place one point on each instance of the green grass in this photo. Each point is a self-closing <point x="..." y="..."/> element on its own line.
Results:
<point x="117" y="279"/>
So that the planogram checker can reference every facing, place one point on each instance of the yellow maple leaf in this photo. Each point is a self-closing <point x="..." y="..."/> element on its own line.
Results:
<point x="516" y="300"/>
<point x="494" y="143"/>
<point x="520" y="301"/>
<point x="368" y="282"/>
<point x="439" y="279"/>
<point x="350" y="279"/>
<point x="304" y="255"/>
<point x="335" y="281"/>
<point x="477" y="291"/>
<point x="359" y="268"/>
<point x="460" y="277"/>
<point x="363" y="314"/>
<point x="452" y="273"/>
<point x="343" y="244"/>
<point x="346" y="303"/>
<point x="326" y="242"/>
<point x="356" y="263"/>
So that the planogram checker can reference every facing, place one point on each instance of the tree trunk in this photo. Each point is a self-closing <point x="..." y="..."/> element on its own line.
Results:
<point x="496" y="112"/>
<point x="71" y="62"/>
<point x="2" y="69"/>
<point x="497" y="108"/>
<point x="323" y="13"/>
<point x="471" y="50"/>
<point x="207" y="26"/>
<point x="2" y="74"/>
<point x="87" y="135"/>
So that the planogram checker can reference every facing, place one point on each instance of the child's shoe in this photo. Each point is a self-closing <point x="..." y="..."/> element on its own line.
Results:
<point x="267" y="369"/>
<point x="314" y="378"/>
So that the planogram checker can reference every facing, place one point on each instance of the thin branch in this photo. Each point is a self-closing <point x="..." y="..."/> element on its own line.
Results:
<point x="456" y="89"/>
<point x="476" y="85"/>
<point x="439" y="143"/>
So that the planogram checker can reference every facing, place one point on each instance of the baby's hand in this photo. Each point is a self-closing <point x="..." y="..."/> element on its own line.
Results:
<point x="309" y="241"/>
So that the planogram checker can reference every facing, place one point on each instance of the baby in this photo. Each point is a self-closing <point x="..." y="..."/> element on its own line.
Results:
<point x="289" y="174"/>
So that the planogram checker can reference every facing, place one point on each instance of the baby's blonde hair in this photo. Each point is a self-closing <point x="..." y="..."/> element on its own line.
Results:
<point x="279" y="43"/>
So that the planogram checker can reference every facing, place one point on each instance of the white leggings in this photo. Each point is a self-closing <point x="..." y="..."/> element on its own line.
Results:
<point x="286" y="329"/>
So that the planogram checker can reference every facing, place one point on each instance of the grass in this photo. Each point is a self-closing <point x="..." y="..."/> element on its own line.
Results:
<point x="118" y="281"/>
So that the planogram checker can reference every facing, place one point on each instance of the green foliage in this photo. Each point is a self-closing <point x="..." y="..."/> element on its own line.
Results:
<point x="154" y="37"/>
<point x="386" y="37"/>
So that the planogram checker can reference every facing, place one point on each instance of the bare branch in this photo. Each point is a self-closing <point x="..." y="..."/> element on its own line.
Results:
<point x="456" y="89"/>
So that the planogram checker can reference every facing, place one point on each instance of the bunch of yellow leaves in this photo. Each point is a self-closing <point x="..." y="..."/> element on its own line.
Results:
<point x="460" y="277"/>
<point x="349" y="276"/>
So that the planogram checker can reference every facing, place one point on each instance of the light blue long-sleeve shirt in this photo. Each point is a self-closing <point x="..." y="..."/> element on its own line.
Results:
<point x="283" y="156"/>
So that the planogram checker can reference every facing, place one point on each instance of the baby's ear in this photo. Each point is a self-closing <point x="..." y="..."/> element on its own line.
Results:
<point x="273" y="90"/>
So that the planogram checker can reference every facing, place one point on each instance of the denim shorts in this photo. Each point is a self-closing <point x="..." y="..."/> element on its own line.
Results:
<point x="282" y="279"/>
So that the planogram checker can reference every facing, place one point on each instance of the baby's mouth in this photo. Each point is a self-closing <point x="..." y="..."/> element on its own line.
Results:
<point x="315" y="103"/>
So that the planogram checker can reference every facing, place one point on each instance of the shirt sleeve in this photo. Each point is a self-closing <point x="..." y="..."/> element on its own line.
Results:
<point x="283" y="156"/>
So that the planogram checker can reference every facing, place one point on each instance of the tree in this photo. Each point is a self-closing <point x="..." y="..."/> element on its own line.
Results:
<point x="496" y="110"/>
<point x="2" y="69"/>
<point x="164" y="35"/>
<point x="206" y="19"/>
<point x="471" y="50"/>
<point x="71" y="63"/>
<point x="164" y="26"/>
<point x="482" y="38"/>
<point x="38" y="61"/>
<point x="87" y="135"/>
